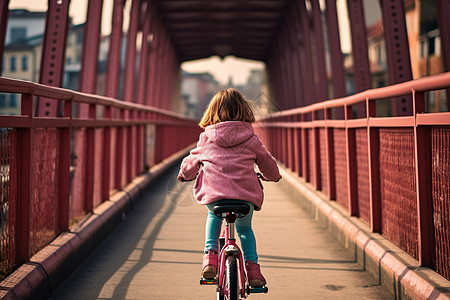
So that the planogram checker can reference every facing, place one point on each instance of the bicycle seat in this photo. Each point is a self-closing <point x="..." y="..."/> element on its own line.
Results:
<point x="240" y="210"/>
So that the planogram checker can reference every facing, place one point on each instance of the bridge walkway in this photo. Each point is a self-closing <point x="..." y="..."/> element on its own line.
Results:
<point x="156" y="252"/>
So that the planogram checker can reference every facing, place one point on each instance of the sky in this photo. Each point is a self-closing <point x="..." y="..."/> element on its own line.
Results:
<point x="222" y="70"/>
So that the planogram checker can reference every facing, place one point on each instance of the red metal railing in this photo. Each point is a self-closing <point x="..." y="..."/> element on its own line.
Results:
<point x="53" y="171"/>
<point x="392" y="172"/>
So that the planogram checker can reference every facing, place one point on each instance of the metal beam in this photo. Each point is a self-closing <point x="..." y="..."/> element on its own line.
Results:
<point x="53" y="54"/>
<point x="321" y="72"/>
<point x="397" y="50"/>
<point x="306" y="53"/>
<point x="443" y="9"/>
<point x="361" y="66"/>
<point x="130" y="57"/>
<point x="336" y="59"/>
<point x="115" y="46"/>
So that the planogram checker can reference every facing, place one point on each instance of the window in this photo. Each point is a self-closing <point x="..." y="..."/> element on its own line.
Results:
<point x="13" y="100"/>
<point x="379" y="57"/>
<point x="13" y="64"/>
<point x="431" y="46"/>
<point x="18" y="34"/>
<point x="2" y="100"/>
<point x="79" y="37"/>
<point x="25" y="63"/>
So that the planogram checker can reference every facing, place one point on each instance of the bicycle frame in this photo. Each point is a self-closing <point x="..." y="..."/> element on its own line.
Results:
<point x="231" y="248"/>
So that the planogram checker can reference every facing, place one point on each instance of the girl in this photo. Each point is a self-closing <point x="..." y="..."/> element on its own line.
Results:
<point x="226" y="153"/>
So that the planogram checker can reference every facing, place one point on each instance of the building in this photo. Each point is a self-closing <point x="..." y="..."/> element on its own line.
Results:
<point x="22" y="53"/>
<point x="197" y="89"/>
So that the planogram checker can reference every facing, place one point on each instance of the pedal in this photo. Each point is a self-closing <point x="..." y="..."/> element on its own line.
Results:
<point x="204" y="281"/>
<point x="256" y="290"/>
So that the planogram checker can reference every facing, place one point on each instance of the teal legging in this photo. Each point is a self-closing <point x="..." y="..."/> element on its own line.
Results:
<point x="243" y="228"/>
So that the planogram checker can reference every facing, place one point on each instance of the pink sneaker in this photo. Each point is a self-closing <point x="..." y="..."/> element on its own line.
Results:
<point x="210" y="262"/>
<point x="255" y="278"/>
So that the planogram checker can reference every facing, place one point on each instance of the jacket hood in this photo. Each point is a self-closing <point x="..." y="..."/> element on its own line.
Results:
<point x="229" y="134"/>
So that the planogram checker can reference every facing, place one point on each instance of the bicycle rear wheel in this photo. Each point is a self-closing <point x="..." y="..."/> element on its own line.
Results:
<point x="231" y="286"/>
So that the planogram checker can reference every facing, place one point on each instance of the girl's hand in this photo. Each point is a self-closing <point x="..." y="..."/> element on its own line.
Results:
<point x="260" y="176"/>
<point x="180" y="179"/>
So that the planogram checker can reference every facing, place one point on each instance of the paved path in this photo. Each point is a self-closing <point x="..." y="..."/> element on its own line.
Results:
<point x="156" y="253"/>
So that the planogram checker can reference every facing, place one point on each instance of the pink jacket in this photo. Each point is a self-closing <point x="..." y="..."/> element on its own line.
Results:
<point x="226" y="154"/>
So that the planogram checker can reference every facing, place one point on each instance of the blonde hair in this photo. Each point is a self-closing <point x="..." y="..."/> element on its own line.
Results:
<point x="227" y="105"/>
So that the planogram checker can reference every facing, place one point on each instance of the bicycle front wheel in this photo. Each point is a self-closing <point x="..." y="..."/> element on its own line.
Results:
<point x="231" y="286"/>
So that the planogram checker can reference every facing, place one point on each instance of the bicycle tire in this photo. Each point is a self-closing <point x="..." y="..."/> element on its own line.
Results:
<point x="231" y="291"/>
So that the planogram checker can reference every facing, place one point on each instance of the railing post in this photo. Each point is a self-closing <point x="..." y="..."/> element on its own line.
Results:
<point x="305" y="151"/>
<point x="426" y="240"/>
<point x="120" y="144"/>
<point x="106" y="179"/>
<point x="90" y="162"/>
<point x="329" y="148"/>
<point x="298" y="147"/>
<point x="352" y="179"/>
<point x="290" y="145"/>
<point x="317" y="181"/>
<point x="131" y="137"/>
<point x="25" y="149"/>
<point x="64" y="169"/>
<point x="374" y="169"/>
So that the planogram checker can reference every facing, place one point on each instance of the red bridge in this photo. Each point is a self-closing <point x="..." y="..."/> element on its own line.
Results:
<point x="364" y="147"/>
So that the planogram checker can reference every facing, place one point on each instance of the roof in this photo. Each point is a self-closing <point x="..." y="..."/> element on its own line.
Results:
<point x="202" y="28"/>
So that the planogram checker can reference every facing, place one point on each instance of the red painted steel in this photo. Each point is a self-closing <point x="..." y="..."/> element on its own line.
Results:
<point x="361" y="67"/>
<point x="65" y="136"/>
<point x="443" y="11"/>
<point x="337" y="63"/>
<point x="4" y="14"/>
<point x="315" y="143"/>
<point x="53" y="54"/>
<point x="422" y="151"/>
<point x="323" y="160"/>
<point x="114" y="51"/>
<point x="389" y="166"/>
<point x="88" y="74"/>
<point x="397" y="51"/>
<point x="362" y="169"/>
<point x="130" y="53"/>
<point x="306" y="54"/>
<point x="43" y="169"/>
<point x="144" y="59"/>
<point x="341" y="167"/>
<point x="297" y="84"/>
<point x="329" y="158"/>
<point x="319" y="51"/>
<point x="153" y="62"/>
<point x="25" y="153"/>
<point x="89" y="160"/>
<point x="374" y="169"/>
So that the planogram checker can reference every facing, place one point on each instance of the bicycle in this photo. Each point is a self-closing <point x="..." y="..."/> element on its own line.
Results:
<point x="231" y="279"/>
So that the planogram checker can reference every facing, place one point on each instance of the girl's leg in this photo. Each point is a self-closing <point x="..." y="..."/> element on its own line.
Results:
<point x="212" y="230"/>
<point x="247" y="237"/>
